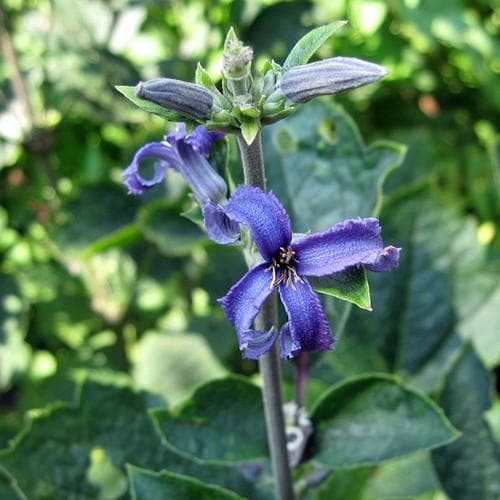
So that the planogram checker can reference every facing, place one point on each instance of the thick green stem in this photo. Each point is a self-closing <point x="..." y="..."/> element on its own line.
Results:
<point x="253" y="166"/>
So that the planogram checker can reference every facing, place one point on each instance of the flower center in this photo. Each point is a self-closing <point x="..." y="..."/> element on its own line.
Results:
<point x="283" y="268"/>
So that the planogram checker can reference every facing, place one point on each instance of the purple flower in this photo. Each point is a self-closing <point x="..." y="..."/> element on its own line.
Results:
<point x="188" y="156"/>
<point x="286" y="265"/>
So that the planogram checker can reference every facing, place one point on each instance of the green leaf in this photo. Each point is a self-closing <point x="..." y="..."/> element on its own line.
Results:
<point x="149" y="485"/>
<point x="469" y="467"/>
<point x="350" y="285"/>
<point x="444" y="291"/>
<point x="150" y="107"/>
<point x="223" y="421"/>
<point x="172" y="365"/>
<point x="322" y="171"/>
<point x="173" y="235"/>
<point x="305" y="48"/>
<point x="407" y="477"/>
<point x="249" y="128"/>
<point x="98" y="211"/>
<point x="52" y="457"/>
<point x="14" y="353"/>
<point x="373" y="418"/>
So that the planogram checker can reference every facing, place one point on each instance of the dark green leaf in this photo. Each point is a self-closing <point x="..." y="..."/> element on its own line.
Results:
<point x="174" y="235"/>
<point x="150" y="107"/>
<point x="305" y="48"/>
<point x="223" y="420"/>
<point x="373" y="418"/>
<point x="52" y="457"/>
<point x="350" y="285"/>
<point x="98" y="211"/>
<point x="322" y="171"/>
<point x="149" y="485"/>
<point x="470" y="467"/>
<point x="444" y="290"/>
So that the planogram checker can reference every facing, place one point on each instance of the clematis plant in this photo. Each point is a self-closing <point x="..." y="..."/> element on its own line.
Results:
<point x="241" y="106"/>
<point x="287" y="264"/>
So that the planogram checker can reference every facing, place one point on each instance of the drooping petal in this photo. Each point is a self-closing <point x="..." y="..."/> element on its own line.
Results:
<point x="307" y="328"/>
<point x="207" y="185"/>
<point x="349" y="243"/>
<point x="220" y="228"/>
<point x="136" y="183"/>
<point x="254" y="344"/>
<point x="265" y="217"/>
<point x="289" y="347"/>
<point x="243" y="302"/>
<point x="202" y="140"/>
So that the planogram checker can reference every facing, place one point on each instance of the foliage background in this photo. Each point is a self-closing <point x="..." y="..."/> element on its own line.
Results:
<point x="96" y="285"/>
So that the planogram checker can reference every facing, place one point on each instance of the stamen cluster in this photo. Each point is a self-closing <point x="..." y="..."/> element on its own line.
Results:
<point x="283" y="268"/>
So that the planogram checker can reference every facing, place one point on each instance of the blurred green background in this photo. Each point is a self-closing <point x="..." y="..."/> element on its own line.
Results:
<point x="95" y="283"/>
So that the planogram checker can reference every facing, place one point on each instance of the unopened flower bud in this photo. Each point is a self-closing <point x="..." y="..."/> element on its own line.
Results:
<point x="190" y="100"/>
<point x="330" y="76"/>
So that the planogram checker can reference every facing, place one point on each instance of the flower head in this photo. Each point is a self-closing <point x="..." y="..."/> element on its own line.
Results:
<point x="188" y="156"/>
<point x="286" y="266"/>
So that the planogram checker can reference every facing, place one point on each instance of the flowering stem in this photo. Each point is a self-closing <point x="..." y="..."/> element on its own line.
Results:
<point x="253" y="167"/>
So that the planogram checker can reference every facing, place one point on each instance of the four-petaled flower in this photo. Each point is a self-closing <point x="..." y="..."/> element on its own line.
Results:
<point x="286" y="265"/>
<point x="188" y="156"/>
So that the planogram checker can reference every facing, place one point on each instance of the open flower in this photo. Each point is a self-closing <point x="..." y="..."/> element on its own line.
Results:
<point x="188" y="156"/>
<point x="286" y="265"/>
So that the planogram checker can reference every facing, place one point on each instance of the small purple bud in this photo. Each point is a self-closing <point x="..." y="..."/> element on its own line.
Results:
<point x="190" y="100"/>
<point x="331" y="76"/>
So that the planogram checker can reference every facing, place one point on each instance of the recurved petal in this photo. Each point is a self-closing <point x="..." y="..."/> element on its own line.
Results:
<point x="135" y="182"/>
<point x="220" y="228"/>
<point x="265" y="217"/>
<point x="202" y="140"/>
<point x="254" y="343"/>
<point x="327" y="77"/>
<point x="245" y="298"/>
<point x="388" y="259"/>
<point x="307" y="328"/>
<point x="346" y="244"/>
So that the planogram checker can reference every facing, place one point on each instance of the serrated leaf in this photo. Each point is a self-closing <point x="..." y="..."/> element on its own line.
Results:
<point x="149" y="485"/>
<point x="148" y="106"/>
<point x="249" y="128"/>
<point x="305" y="48"/>
<point x="350" y="285"/>
<point x="223" y="421"/>
<point x="321" y="170"/>
<point x="373" y="418"/>
<point x="51" y="457"/>
<point x="469" y="467"/>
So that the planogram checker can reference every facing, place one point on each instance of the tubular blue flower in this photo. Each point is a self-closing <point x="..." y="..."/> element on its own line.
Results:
<point x="188" y="156"/>
<point x="286" y="266"/>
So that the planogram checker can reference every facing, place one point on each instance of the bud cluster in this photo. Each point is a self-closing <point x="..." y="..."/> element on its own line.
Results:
<point x="246" y="102"/>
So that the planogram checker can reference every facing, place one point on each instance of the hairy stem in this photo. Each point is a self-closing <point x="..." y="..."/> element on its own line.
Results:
<point x="253" y="166"/>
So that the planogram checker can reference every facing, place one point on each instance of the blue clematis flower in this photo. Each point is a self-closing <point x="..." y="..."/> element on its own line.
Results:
<point x="286" y="266"/>
<point x="188" y="156"/>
